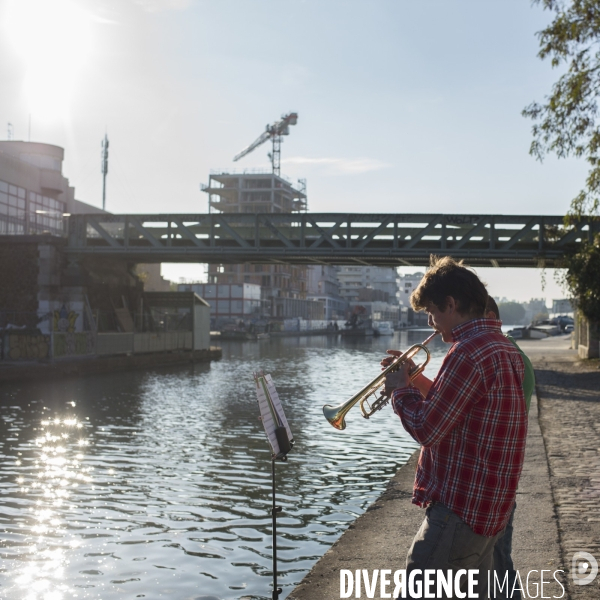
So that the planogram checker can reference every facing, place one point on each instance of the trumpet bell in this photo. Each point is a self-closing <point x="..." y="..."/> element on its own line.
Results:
<point x="335" y="415"/>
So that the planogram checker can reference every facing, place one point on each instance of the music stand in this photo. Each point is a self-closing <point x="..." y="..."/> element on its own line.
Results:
<point x="281" y="440"/>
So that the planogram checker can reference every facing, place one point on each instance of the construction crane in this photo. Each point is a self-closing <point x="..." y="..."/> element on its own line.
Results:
<point x="274" y="133"/>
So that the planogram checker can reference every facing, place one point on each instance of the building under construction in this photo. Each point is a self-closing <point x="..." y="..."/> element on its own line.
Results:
<point x="254" y="193"/>
<point x="284" y="287"/>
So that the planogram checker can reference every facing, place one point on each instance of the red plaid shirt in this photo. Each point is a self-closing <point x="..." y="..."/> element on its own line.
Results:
<point x="472" y="427"/>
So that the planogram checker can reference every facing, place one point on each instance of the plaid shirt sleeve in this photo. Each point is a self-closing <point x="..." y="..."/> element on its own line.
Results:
<point x="451" y="397"/>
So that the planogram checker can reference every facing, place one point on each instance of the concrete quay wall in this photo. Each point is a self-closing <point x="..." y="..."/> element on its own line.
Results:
<point x="58" y="369"/>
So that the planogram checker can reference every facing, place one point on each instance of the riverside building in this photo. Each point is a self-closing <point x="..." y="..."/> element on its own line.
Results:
<point x="407" y="285"/>
<point x="374" y="288"/>
<point x="34" y="194"/>
<point x="53" y="306"/>
<point x="324" y="286"/>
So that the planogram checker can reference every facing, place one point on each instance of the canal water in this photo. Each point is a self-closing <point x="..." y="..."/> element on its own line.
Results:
<point x="157" y="484"/>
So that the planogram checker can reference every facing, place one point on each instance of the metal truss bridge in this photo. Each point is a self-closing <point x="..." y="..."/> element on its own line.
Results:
<point x="326" y="238"/>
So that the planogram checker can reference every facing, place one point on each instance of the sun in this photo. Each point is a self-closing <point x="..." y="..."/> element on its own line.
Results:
<point x="53" y="39"/>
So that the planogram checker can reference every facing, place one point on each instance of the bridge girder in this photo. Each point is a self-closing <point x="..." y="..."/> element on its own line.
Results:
<point x="327" y="238"/>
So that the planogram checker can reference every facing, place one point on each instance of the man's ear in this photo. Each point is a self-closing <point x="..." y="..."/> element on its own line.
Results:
<point x="451" y="305"/>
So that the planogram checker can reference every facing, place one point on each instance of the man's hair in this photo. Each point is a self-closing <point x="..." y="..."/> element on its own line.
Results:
<point x="491" y="306"/>
<point x="447" y="277"/>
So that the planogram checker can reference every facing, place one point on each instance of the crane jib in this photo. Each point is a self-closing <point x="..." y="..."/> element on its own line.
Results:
<point x="273" y="132"/>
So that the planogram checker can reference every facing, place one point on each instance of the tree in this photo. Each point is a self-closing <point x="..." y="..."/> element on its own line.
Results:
<point x="567" y="124"/>
<point x="511" y="313"/>
<point x="539" y="317"/>
<point x="583" y="279"/>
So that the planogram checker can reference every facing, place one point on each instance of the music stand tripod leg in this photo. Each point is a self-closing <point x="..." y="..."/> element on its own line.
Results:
<point x="276" y="509"/>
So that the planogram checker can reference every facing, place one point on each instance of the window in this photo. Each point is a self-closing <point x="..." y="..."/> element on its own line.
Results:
<point x="45" y="214"/>
<point x="13" y="207"/>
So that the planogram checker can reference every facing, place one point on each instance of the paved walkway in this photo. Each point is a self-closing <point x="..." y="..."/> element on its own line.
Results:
<point x="558" y="500"/>
<point x="569" y="396"/>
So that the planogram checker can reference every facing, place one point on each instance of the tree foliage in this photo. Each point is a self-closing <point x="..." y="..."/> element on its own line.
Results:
<point x="568" y="124"/>
<point x="511" y="313"/>
<point x="583" y="279"/>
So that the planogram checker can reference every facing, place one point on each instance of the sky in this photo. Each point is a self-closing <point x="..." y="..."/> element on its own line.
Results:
<point x="403" y="106"/>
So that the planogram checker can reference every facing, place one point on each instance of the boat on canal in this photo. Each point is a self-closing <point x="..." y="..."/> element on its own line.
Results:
<point x="381" y="328"/>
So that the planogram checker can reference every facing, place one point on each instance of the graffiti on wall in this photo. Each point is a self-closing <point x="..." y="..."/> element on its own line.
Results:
<point x="64" y="320"/>
<point x="19" y="347"/>
<point x="74" y="344"/>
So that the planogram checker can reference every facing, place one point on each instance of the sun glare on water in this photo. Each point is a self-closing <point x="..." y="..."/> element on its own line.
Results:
<point x="47" y="484"/>
<point x="53" y="40"/>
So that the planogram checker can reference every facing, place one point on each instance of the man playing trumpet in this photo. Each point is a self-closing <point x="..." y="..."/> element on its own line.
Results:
<point x="471" y="422"/>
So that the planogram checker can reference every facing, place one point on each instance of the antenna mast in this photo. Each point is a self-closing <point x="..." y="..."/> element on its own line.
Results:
<point x="104" y="168"/>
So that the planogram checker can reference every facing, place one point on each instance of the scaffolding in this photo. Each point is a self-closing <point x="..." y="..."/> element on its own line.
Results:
<point x="254" y="192"/>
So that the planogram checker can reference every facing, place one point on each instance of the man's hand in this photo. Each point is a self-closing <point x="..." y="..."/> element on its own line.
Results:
<point x="422" y="383"/>
<point x="397" y="379"/>
<point x="387" y="361"/>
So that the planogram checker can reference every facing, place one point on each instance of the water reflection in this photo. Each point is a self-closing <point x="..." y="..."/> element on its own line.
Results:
<point x="38" y="537"/>
<point x="157" y="484"/>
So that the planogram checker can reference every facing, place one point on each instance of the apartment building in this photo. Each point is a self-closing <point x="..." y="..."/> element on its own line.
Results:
<point x="407" y="285"/>
<point x="324" y="286"/>
<point x="365" y="285"/>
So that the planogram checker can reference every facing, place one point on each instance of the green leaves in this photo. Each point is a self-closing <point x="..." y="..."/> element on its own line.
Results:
<point x="583" y="278"/>
<point x="566" y="124"/>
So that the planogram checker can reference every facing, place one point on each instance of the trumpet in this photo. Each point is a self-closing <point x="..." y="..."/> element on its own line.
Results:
<point x="336" y="414"/>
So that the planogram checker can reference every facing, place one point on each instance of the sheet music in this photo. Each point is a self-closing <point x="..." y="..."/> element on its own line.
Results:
<point x="271" y="411"/>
